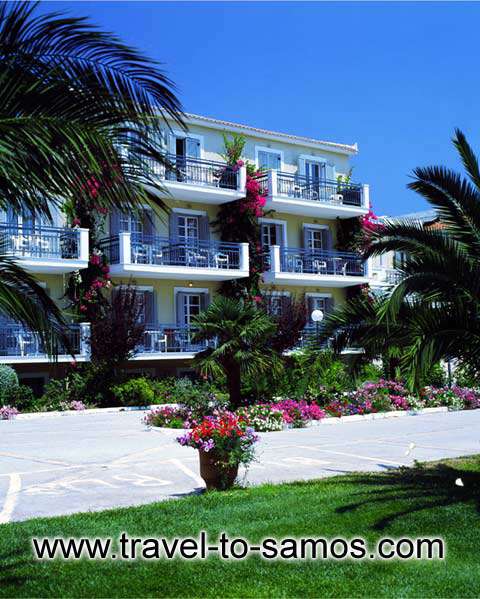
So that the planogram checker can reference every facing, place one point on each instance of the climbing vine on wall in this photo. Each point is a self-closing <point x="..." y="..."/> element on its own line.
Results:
<point x="85" y="288"/>
<point x="237" y="221"/>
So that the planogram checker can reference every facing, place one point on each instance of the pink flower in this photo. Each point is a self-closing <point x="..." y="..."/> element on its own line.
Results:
<point x="83" y="308"/>
<point x="95" y="259"/>
<point x="76" y="222"/>
<point x="240" y="163"/>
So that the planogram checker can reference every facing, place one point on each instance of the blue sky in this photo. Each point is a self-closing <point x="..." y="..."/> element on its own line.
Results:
<point x="395" y="77"/>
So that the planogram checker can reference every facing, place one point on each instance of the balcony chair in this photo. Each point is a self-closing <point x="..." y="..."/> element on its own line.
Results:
<point x="221" y="260"/>
<point x="336" y="198"/>
<point x="294" y="263"/>
<point x="319" y="266"/>
<point x="25" y="342"/>
<point x="140" y="254"/>
<point x="197" y="258"/>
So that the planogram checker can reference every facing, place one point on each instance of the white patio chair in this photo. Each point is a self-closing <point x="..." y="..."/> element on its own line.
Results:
<point x="221" y="260"/>
<point x="319" y="266"/>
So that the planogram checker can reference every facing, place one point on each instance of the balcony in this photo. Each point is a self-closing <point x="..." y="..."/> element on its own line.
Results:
<point x="204" y="181"/>
<point x="163" y="258"/>
<point x="296" y="194"/>
<point x="294" y="266"/>
<point x="46" y="249"/>
<point x="385" y="277"/>
<point x="167" y="342"/>
<point x="19" y="345"/>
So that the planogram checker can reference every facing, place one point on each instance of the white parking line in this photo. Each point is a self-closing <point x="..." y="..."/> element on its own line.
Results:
<point x="186" y="470"/>
<point x="11" y="498"/>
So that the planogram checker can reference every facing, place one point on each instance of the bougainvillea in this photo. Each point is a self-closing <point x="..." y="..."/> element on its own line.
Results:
<point x="237" y="221"/>
<point x="84" y="288"/>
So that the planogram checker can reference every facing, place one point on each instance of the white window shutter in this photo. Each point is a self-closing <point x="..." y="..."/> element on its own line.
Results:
<point x="330" y="172"/>
<point x="301" y="167"/>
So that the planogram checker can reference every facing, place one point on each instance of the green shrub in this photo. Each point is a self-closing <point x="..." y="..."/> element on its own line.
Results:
<point x="135" y="392"/>
<point x="78" y="386"/>
<point x="8" y="380"/>
<point x="200" y="398"/>
<point x="22" y="398"/>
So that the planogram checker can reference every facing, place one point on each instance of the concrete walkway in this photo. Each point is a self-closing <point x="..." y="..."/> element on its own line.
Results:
<point x="75" y="463"/>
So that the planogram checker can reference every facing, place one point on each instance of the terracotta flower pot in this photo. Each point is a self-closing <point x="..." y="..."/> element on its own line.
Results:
<point x="215" y="474"/>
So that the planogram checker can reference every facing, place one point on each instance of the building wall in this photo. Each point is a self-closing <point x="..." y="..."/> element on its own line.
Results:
<point x="212" y="147"/>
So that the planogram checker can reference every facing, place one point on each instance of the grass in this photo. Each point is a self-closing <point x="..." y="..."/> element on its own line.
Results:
<point x="423" y="501"/>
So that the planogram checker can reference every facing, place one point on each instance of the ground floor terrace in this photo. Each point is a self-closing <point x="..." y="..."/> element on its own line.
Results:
<point x="53" y="465"/>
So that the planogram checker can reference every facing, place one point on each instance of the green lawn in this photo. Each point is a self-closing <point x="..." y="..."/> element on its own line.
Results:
<point x="418" y="502"/>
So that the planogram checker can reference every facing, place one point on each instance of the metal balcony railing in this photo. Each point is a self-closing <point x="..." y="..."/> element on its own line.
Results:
<point x="149" y="249"/>
<point x="40" y="242"/>
<point x="169" y="338"/>
<point x="321" y="262"/>
<point x="110" y="246"/>
<point x="199" y="172"/>
<point x="18" y="342"/>
<point x="162" y="251"/>
<point x="319" y="190"/>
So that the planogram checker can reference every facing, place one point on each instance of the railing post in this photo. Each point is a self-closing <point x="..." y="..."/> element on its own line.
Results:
<point x="125" y="248"/>
<point x="85" y="349"/>
<point x="244" y="263"/>
<point x="272" y="183"/>
<point x="275" y="265"/>
<point x="367" y="266"/>
<point x="366" y="196"/>
<point x="83" y="248"/>
<point x="242" y="178"/>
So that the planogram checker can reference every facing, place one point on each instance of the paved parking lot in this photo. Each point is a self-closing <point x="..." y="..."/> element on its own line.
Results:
<point x="75" y="463"/>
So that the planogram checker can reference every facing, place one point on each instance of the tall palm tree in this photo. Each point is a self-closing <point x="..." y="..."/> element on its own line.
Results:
<point x="434" y="311"/>
<point x="75" y="103"/>
<point x="241" y="333"/>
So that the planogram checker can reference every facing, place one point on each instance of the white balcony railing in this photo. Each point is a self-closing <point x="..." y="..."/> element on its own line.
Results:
<point x="201" y="180"/>
<point x="167" y="341"/>
<point x="314" y="267"/>
<point x="45" y="249"/>
<point x="18" y="344"/>
<point x="162" y="257"/>
<point x="297" y="194"/>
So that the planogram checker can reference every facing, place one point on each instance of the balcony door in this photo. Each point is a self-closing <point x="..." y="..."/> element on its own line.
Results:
<point x="314" y="171"/>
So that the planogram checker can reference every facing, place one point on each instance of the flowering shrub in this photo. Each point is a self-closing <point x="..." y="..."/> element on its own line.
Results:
<point x="170" y="417"/>
<point x="77" y="406"/>
<point x="455" y="398"/>
<point x="298" y="413"/>
<point x="263" y="418"/>
<point x="226" y="435"/>
<point x="349" y="407"/>
<point x="8" y="413"/>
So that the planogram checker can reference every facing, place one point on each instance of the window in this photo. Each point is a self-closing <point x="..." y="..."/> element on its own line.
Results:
<point x="188" y="228"/>
<point x="318" y="302"/>
<point x="269" y="160"/>
<point x="272" y="234"/>
<point x="315" y="239"/>
<point x="191" y="307"/>
<point x="130" y="223"/>
<point x="189" y="304"/>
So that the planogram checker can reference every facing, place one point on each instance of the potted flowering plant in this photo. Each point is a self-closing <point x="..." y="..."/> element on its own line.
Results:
<point x="224" y="441"/>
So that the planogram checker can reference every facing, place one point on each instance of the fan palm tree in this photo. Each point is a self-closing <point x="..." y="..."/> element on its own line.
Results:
<point x="434" y="311"/>
<point x="75" y="103"/>
<point x="241" y="333"/>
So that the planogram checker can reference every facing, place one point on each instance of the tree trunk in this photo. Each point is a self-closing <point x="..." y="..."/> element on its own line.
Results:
<point x="234" y="385"/>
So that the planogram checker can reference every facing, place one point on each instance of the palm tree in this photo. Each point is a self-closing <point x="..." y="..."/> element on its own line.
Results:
<point x="241" y="333"/>
<point x="434" y="311"/>
<point x="75" y="103"/>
